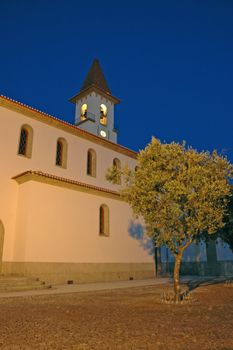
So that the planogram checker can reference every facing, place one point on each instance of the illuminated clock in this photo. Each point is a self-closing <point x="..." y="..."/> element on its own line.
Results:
<point x="103" y="133"/>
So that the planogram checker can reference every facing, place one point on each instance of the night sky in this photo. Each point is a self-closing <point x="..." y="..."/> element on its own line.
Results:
<point x="169" y="61"/>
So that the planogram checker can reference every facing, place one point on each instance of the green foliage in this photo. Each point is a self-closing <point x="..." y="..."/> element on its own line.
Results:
<point x="113" y="175"/>
<point x="178" y="191"/>
<point x="226" y="232"/>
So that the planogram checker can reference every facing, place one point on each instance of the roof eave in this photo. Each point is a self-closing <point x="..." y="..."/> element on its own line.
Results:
<point x="49" y="179"/>
<point x="96" y="89"/>
<point x="11" y="104"/>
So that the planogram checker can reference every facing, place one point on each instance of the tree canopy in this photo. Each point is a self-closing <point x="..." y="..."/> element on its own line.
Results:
<point x="179" y="192"/>
<point x="226" y="232"/>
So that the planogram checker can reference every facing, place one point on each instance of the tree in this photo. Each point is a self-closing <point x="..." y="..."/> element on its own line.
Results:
<point x="226" y="232"/>
<point x="179" y="193"/>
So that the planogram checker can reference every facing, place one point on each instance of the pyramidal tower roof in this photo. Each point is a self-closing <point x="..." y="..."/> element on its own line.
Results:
<point x="95" y="81"/>
<point x="95" y="77"/>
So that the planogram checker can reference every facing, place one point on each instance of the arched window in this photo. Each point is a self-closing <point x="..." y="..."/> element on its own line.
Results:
<point x="83" y="112"/>
<point x="61" y="153"/>
<point x="103" y="114"/>
<point x="104" y="220"/>
<point x="91" y="162"/>
<point x="25" y="141"/>
<point x="117" y="165"/>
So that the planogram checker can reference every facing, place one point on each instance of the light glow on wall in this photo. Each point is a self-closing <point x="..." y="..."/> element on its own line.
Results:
<point x="103" y="114"/>
<point x="103" y="133"/>
<point x="83" y="114"/>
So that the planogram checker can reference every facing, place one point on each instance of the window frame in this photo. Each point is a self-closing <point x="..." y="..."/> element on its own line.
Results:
<point x="63" y="153"/>
<point x="27" y="147"/>
<point x="117" y="163"/>
<point x="91" y="162"/>
<point x="104" y="220"/>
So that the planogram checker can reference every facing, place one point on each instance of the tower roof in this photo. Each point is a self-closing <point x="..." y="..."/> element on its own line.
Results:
<point x="95" y="77"/>
<point x="95" y="81"/>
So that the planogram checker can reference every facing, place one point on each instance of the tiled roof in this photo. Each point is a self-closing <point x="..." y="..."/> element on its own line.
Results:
<point x="49" y="119"/>
<point x="95" y="81"/>
<point x="95" y="77"/>
<point x="96" y="89"/>
<point x="37" y="175"/>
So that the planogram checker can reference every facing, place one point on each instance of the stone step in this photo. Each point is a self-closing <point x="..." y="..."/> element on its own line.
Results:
<point x="18" y="280"/>
<point x="23" y="288"/>
<point x="19" y="283"/>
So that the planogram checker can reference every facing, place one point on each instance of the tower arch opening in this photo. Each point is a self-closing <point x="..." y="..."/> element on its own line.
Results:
<point x="103" y="114"/>
<point x="83" y="112"/>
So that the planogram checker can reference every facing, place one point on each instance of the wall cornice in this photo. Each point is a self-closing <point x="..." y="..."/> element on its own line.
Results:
<point x="58" y="181"/>
<point x="96" y="89"/>
<point x="65" y="126"/>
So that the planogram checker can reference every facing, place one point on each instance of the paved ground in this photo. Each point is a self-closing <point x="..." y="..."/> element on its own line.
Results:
<point x="119" y="319"/>
<point x="86" y="287"/>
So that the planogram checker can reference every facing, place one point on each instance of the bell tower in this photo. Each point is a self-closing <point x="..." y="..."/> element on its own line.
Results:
<point x="94" y="105"/>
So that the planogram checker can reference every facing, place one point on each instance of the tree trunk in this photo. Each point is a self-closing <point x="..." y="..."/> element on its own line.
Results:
<point x="158" y="267"/>
<point x="176" y="276"/>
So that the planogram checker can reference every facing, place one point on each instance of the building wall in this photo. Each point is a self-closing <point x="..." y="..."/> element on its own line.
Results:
<point x="44" y="151"/>
<point x="46" y="224"/>
<point x="216" y="259"/>
<point x="223" y="251"/>
<point x="194" y="253"/>
<point x="93" y="101"/>
<point x="62" y="225"/>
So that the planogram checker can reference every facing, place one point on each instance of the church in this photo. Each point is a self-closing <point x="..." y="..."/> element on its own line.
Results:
<point x="60" y="219"/>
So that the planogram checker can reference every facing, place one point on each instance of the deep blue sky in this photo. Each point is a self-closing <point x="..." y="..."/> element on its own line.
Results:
<point x="169" y="61"/>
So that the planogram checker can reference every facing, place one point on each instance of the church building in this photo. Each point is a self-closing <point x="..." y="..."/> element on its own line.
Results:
<point x="60" y="219"/>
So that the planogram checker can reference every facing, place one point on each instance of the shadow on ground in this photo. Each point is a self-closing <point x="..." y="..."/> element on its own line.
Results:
<point x="206" y="281"/>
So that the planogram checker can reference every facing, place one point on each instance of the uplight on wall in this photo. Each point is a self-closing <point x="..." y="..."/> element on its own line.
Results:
<point x="103" y="133"/>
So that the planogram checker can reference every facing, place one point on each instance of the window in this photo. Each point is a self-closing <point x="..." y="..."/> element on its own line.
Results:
<point x="117" y="165"/>
<point x="61" y="153"/>
<point x="91" y="162"/>
<point x="83" y="112"/>
<point x="103" y="114"/>
<point x="25" y="141"/>
<point x="104" y="220"/>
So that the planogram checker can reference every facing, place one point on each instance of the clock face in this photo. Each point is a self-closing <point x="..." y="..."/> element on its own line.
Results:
<point x="103" y="133"/>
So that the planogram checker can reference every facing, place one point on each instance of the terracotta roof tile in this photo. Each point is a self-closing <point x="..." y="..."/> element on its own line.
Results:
<point x="64" y="180"/>
<point x="42" y="116"/>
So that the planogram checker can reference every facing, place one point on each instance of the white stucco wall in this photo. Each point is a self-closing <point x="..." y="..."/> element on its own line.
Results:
<point x="93" y="101"/>
<point x="224" y="253"/>
<point x="56" y="224"/>
<point x="44" y="151"/>
<point x="33" y="213"/>
<point x="42" y="212"/>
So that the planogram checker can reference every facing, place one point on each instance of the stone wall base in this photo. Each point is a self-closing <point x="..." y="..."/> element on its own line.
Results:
<point x="219" y="268"/>
<point x="60" y="273"/>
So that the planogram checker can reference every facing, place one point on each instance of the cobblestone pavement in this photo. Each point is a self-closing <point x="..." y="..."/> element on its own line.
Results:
<point x="123" y="319"/>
